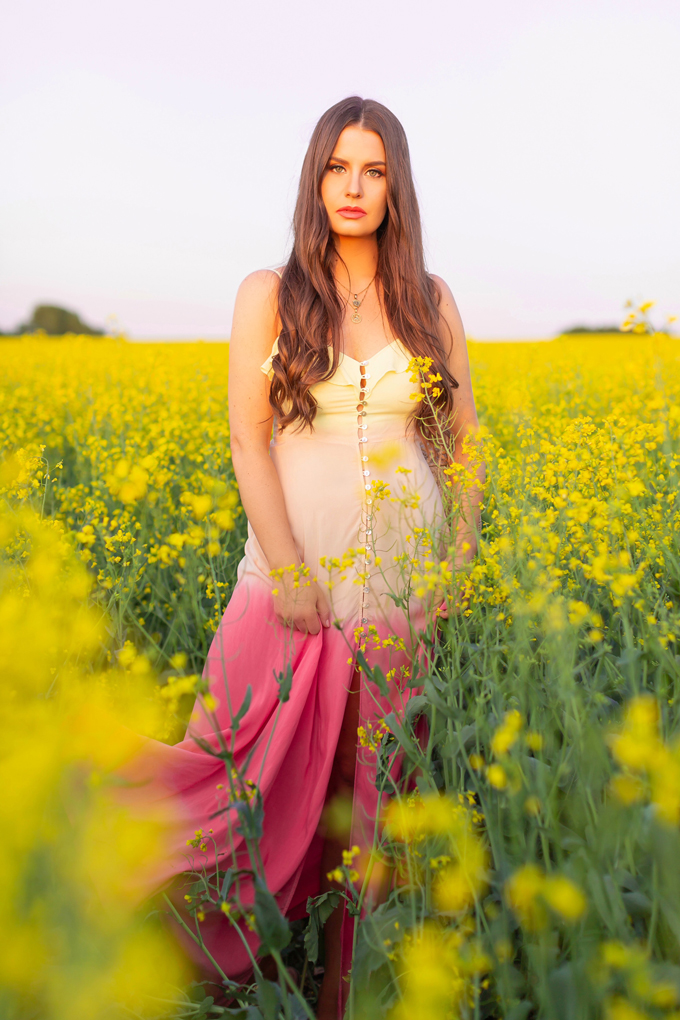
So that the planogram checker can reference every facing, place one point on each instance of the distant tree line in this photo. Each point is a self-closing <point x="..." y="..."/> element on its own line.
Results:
<point x="54" y="321"/>
<point x="591" y="329"/>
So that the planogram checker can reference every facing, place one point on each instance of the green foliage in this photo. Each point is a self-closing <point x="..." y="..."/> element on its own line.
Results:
<point x="56" y="321"/>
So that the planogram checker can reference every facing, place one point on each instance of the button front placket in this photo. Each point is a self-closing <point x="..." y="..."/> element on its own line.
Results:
<point x="366" y="527"/>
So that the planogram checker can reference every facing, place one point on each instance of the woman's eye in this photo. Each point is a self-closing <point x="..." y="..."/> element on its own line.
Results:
<point x="374" y="173"/>
<point x="335" y="166"/>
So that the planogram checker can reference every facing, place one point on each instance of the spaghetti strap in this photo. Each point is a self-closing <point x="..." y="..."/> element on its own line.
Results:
<point x="278" y="273"/>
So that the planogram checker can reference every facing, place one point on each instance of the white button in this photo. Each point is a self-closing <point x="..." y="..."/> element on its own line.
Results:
<point x="367" y="488"/>
<point x="366" y="474"/>
<point x="369" y="502"/>
<point x="363" y="362"/>
<point x="364" y="458"/>
<point x="364" y="620"/>
<point x="367" y="376"/>
<point x="363" y="427"/>
<point x="363" y="439"/>
<point x="366" y="590"/>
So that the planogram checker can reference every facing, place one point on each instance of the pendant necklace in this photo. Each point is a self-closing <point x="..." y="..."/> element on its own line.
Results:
<point x="357" y="303"/>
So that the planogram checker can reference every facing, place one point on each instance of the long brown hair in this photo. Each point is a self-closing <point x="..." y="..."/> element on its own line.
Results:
<point x="309" y="306"/>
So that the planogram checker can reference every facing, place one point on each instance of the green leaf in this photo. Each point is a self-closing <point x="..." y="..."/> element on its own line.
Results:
<point x="205" y="1008"/>
<point x="379" y="934"/>
<point x="268" y="998"/>
<point x="637" y="904"/>
<point x="520" y="1011"/>
<point x="285" y="682"/>
<point x="416" y="706"/>
<point x="251" y="817"/>
<point x="435" y="698"/>
<point x="564" y="993"/>
<point x="372" y="673"/>
<point x="402" y="736"/>
<point x="319" y="909"/>
<point x="245" y="705"/>
<point x="270" y="923"/>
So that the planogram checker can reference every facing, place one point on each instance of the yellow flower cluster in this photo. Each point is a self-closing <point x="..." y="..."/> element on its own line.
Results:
<point x="630" y="964"/>
<point x="530" y="892"/>
<point x="440" y="966"/>
<point x="414" y="820"/>
<point x="73" y="944"/>
<point x="128" y="445"/>
<point x="370" y="736"/>
<point x="582" y="476"/>
<point x="651" y="767"/>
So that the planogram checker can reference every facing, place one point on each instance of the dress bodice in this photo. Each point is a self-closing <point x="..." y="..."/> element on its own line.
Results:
<point x="388" y="402"/>
<point x="356" y="484"/>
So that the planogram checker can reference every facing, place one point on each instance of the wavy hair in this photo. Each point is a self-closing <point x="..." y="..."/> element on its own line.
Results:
<point x="310" y="308"/>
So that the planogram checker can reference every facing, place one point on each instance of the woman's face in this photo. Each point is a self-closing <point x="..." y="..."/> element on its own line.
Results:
<point x="354" y="186"/>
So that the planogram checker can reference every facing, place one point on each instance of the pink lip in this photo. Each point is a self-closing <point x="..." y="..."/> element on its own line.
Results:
<point x="352" y="212"/>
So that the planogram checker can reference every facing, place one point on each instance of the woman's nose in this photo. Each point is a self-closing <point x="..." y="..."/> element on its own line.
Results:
<point x="354" y="187"/>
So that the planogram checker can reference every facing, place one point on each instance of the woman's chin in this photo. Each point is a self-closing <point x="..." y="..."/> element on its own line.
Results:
<point x="352" y="228"/>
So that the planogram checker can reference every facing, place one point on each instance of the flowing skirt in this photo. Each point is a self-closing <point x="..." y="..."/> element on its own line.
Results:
<point x="283" y="742"/>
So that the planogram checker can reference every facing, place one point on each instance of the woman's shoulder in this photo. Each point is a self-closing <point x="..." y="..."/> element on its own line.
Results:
<point x="261" y="282"/>
<point x="258" y="293"/>
<point x="256" y="310"/>
<point x="448" y="310"/>
<point x="442" y="287"/>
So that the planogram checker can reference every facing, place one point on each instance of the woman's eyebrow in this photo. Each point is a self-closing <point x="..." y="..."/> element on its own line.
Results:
<point x="373" y="162"/>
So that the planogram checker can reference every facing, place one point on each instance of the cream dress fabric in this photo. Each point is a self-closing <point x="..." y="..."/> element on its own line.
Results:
<point x="357" y="482"/>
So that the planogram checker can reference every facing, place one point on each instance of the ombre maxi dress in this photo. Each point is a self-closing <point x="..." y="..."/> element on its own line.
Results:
<point x="359" y="481"/>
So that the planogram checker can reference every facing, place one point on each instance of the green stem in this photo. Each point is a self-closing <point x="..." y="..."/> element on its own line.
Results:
<point x="199" y="941"/>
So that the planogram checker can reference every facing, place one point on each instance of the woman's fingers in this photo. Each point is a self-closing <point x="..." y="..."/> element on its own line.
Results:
<point x="323" y="609"/>
<point x="311" y="623"/>
<point x="305" y="610"/>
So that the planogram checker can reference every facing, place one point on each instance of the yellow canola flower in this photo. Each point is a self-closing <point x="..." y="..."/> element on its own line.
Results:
<point x="529" y="890"/>
<point x="462" y="873"/>
<point x="522" y="892"/>
<point x="619" y="1008"/>
<point x="564" y="897"/>
<point x="497" y="776"/>
<point x="432" y="815"/>
<point x="507" y="733"/>
<point x="638" y="748"/>
<point x="128" y="482"/>
<point x="627" y="789"/>
<point x="439" y="971"/>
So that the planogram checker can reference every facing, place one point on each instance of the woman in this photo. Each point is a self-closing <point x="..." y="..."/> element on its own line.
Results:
<point x="321" y="349"/>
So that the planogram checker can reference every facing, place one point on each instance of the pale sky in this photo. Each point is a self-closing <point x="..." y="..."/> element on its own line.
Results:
<point x="151" y="151"/>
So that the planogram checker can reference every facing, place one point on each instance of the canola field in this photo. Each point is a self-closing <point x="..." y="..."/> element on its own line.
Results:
<point x="536" y="862"/>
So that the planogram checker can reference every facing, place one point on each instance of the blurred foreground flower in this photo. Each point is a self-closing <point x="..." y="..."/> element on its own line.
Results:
<point x="530" y="892"/>
<point x="74" y="944"/>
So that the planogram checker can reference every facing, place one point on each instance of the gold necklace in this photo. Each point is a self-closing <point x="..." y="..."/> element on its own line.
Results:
<point x="355" y="317"/>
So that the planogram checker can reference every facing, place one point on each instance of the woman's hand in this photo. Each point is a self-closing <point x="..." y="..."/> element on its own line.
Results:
<point x="304" y="608"/>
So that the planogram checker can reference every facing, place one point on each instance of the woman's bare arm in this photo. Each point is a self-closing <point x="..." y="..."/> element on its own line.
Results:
<point x="250" y="419"/>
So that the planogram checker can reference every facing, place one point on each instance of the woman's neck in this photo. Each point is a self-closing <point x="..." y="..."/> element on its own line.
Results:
<point x="360" y="258"/>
